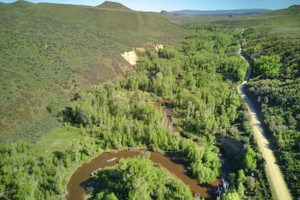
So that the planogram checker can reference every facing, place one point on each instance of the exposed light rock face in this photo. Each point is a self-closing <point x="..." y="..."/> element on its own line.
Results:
<point x="131" y="57"/>
<point x="158" y="46"/>
<point x="141" y="49"/>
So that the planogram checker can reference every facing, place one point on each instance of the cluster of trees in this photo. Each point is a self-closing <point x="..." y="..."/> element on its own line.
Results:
<point x="202" y="62"/>
<point x="268" y="65"/>
<point x="242" y="185"/>
<point x="25" y="176"/>
<point x="205" y="102"/>
<point x="119" y="118"/>
<point x="137" y="178"/>
<point x="275" y="87"/>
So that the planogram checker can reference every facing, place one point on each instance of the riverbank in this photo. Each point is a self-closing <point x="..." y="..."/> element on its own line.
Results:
<point x="174" y="166"/>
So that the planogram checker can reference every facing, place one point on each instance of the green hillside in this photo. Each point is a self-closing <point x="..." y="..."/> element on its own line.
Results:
<point x="292" y="10"/>
<point x="48" y="52"/>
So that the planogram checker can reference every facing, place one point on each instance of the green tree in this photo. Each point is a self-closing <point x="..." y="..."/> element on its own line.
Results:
<point x="231" y="196"/>
<point x="267" y="64"/>
<point x="250" y="160"/>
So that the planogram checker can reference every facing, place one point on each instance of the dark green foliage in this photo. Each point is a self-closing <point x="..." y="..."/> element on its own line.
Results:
<point x="24" y="176"/>
<point x="264" y="44"/>
<point x="250" y="160"/>
<point x="167" y="52"/>
<point x="119" y="118"/>
<point x="278" y="95"/>
<point x="269" y="65"/>
<point x="137" y="179"/>
<point x="219" y="111"/>
<point x="231" y="196"/>
<point x="237" y="188"/>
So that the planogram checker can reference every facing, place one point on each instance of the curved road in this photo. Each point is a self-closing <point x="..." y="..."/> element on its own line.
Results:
<point x="274" y="174"/>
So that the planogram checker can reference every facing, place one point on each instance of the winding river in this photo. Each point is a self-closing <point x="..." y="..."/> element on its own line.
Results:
<point x="173" y="165"/>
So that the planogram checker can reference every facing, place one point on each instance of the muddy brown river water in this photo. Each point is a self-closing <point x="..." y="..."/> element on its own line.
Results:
<point x="174" y="166"/>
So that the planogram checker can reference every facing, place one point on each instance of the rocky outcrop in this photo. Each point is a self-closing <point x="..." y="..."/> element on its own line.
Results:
<point x="141" y="49"/>
<point x="131" y="57"/>
<point x="158" y="46"/>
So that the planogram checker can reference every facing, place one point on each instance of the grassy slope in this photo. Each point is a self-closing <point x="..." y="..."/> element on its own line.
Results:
<point x="48" y="52"/>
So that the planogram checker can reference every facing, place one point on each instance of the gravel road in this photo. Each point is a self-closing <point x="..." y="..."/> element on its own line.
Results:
<point x="272" y="168"/>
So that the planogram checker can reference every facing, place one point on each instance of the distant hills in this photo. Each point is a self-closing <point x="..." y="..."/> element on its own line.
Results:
<point x="221" y="12"/>
<point x="284" y="20"/>
<point x="49" y="52"/>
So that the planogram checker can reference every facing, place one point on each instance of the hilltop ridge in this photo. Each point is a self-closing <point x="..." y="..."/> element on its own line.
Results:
<point x="292" y="10"/>
<point x="22" y="3"/>
<point x="113" y="5"/>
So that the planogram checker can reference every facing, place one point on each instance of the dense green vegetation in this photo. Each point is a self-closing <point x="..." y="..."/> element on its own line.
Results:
<point x="121" y="114"/>
<point x="24" y="174"/>
<point x="206" y="105"/>
<point x="119" y="118"/>
<point x="137" y="179"/>
<point x="49" y="52"/>
<point x="275" y="87"/>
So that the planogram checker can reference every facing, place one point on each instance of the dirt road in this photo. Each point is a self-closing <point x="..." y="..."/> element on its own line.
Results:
<point x="272" y="168"/>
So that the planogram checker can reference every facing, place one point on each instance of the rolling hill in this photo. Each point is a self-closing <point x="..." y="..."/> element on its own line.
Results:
<point x="278" y="18"/>
<point x="285" y="21"/>
<point x="49" y="52"/>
